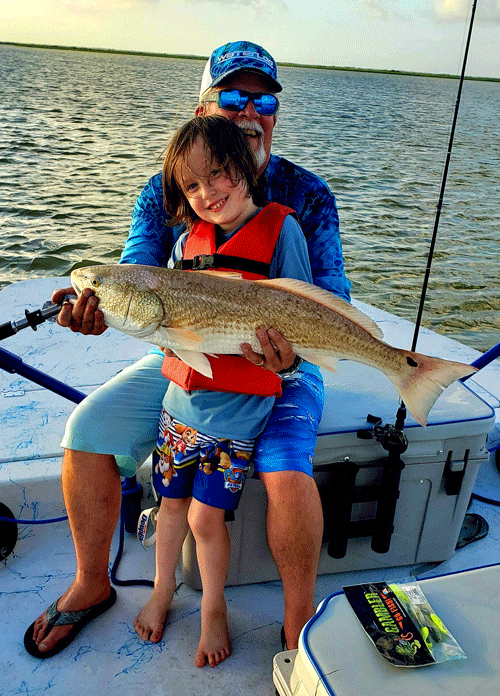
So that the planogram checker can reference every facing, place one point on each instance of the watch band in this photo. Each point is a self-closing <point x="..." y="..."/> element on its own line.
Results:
<point x="294" y="367"/>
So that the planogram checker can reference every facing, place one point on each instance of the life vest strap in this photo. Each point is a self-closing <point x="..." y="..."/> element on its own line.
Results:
<point x="202" y="262"/>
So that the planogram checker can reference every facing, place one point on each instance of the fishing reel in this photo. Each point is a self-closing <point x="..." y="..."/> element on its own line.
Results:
<point x="391" y="437"/>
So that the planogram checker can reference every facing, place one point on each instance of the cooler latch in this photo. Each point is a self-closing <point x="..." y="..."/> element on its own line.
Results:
<point x="454" y="472"/>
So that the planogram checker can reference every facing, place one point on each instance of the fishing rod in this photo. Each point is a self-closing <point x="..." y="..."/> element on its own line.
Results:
<point x="392" y="437"/>
<point x="401" y="414"/>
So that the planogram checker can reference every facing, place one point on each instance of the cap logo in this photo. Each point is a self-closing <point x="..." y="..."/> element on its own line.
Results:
<point x="247" y="54"/>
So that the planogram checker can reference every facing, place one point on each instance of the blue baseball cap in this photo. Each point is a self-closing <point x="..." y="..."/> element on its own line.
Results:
<point x="236" y="56"/>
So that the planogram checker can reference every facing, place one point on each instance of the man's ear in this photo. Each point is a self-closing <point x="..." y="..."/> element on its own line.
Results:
<point x="200" y="110"/>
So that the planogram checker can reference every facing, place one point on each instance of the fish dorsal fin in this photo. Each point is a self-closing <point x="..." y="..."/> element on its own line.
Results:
<point x="189" y="340"/>
<point x="314" y="292"/>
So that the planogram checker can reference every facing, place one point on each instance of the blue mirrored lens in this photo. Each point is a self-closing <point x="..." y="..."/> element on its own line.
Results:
<point x="236" y="100"/>
<point x="233" y="100"/>
<point x="266" y="104"/>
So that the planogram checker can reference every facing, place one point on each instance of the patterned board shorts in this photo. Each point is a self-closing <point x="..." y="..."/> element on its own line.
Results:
<point x="189" y="463"/>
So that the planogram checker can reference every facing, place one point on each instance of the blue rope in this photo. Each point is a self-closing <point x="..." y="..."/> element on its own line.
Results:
<point x="13" y="520"/>
<point x="119" y="553"/>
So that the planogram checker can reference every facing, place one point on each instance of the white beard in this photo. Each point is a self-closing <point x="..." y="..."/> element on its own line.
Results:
<point x="260" y="153"/>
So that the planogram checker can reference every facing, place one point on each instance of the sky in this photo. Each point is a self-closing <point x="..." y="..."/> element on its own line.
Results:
<point x="410" y="35"/>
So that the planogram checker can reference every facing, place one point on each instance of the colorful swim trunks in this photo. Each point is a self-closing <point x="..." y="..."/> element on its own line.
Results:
<point x="189" y="463"/>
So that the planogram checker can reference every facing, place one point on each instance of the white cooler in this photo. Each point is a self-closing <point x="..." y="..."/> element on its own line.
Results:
<point x="440" y="468"/>
<point x="337" y="658"/>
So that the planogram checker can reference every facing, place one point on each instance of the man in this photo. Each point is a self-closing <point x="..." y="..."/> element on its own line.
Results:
<point x="240" y="83"/>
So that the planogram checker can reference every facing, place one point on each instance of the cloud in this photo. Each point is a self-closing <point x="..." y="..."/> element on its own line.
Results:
<point x="267" y="5"/>
<point x="102" y="6"/>
<point x="443" y="10"/>
<point x="458" y="10"/>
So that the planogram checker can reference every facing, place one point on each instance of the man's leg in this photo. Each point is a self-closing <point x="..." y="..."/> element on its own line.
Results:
<point x="294" y="534"/>
<point x="122" y="417"/>
<point x="283" y="460"/>
<point x="92" y="493"/>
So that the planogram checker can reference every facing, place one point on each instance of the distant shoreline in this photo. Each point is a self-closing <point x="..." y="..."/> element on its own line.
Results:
<point x="204" y="58"/>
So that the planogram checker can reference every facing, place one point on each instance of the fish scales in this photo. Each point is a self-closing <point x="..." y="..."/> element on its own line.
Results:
<point x="240" y="307"/>
<point x="197" y="313"/>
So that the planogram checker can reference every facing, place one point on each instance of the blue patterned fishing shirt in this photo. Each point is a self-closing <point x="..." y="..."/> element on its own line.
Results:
<point x="151" y="240"/>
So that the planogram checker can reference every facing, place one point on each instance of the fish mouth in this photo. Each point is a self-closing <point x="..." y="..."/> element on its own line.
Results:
<point x="76" y="287"/>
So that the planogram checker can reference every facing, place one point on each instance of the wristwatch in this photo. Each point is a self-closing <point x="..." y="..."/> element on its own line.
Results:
<point x="290" y="371"/>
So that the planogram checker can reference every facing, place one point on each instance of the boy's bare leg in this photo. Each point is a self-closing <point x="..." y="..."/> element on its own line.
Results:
<point x="213" y="551"/>
<point x="294" y="533"/>
<point x="171" y="530"/>
<point x="92" y="493"/>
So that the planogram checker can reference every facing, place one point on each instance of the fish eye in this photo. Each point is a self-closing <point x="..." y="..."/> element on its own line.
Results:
<point x="95" y="282"/>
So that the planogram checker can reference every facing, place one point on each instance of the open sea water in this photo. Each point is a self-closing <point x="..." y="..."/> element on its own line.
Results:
<point x="81" y="133"/>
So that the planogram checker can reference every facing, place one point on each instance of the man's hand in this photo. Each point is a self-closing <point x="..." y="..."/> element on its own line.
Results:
<point x="82" y="317"/>
<point x="277" y="353"/>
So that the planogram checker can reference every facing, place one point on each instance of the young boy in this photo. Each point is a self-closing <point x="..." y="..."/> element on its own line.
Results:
<point x="208" y="427"/>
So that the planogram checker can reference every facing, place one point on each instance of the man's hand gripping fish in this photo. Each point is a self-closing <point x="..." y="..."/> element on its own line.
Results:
<point x="214" y="313"/>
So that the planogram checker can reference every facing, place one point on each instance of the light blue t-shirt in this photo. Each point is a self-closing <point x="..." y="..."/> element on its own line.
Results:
<point x="240" y="416"/>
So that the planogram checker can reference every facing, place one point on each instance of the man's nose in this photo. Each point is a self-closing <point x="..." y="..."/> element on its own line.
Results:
<point x="249" y="111"/>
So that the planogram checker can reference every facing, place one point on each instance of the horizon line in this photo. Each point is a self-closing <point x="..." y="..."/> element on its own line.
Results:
<point x="284" y="64"/>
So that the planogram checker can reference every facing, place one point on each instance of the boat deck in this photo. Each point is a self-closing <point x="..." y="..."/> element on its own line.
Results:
<point x="108" y="656"/>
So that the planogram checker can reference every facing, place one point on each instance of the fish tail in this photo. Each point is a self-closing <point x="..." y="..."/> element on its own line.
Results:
<point x="423" y="380"/>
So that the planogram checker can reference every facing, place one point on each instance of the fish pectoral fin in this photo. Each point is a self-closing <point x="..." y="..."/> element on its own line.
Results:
<point x="198" y="361"/>
<point x="327" y="362"/>
<point x="322" y="296"/>
<point x="145" y="331"/>
<point x="189" y="340"/>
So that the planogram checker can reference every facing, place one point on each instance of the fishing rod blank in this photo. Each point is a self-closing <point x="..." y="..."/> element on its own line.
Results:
<point x="32" y="319"/>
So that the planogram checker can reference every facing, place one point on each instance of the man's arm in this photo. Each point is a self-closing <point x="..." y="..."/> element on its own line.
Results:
<point x="316" y="210"/>
<point x="320" y="223"/>
<point x="150" y="239"/>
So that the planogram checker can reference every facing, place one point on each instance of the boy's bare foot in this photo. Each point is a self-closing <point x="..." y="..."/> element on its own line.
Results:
<point x="214" y="644"/>
<point x="150" y="621"/>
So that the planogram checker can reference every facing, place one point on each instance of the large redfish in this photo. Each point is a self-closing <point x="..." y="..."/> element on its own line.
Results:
<point x="214" y="313"/>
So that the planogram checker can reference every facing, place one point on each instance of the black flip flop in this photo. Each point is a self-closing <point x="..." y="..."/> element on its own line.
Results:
<point x="474" y="527"/>
<point x="79" y="619"/>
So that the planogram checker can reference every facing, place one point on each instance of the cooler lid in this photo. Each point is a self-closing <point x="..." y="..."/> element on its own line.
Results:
<point x="340" y="659"/>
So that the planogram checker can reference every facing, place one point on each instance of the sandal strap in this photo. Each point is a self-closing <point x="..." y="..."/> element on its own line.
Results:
<point x="64" y="618"/>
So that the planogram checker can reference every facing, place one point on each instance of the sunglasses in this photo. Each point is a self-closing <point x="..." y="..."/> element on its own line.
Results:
<point x="237" y="99"/>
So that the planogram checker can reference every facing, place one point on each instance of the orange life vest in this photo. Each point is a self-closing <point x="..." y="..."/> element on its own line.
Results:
<point x="249" y="251"/>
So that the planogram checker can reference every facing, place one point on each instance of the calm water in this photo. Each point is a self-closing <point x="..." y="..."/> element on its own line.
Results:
<point x="80" y="134"/>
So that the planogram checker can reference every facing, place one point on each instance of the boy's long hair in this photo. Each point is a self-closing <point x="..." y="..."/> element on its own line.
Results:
<point x="226" y="146"/>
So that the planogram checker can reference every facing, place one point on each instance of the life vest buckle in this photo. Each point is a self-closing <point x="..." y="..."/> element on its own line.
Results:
<point x="203" y="261"/>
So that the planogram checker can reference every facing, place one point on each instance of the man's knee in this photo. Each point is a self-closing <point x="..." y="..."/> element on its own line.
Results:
<point x="288" y="484"/>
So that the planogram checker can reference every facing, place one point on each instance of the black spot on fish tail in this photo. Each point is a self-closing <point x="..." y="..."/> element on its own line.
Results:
<point x="411" y="362"/>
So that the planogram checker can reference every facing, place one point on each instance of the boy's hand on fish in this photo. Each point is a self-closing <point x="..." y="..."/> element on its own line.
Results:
<point x="277" y="352"/>
<point x="83" y="316"/>
<point x="167" y="352"/>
